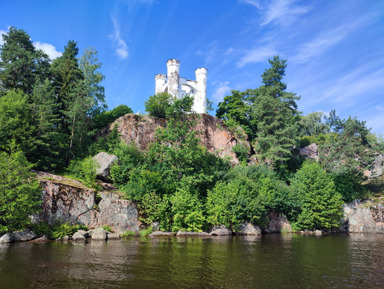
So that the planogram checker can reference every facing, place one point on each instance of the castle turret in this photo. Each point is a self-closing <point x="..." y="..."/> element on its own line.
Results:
<point x="173" y="68"/>
<point x="200" y="103"/>
<point x="160" y="82"/>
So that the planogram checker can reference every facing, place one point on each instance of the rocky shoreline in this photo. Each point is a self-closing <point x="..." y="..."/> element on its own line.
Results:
<point x="68" y="200"/>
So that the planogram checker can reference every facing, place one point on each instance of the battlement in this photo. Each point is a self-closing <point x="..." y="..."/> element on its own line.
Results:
<point x="177" y="86"/>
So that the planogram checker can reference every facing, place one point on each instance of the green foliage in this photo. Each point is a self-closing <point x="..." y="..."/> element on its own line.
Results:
<point x="187" y="212"/>
<point x="146" y="232"/>
<point x="154" y="208"/>
<point x="248" y="194"/>
<point x="20" y="63"/>
<point x="108" y="117"/>
<point x="143" y="182"/>
<point x="235" y="110"/>
<point x="107" y="228"/>
<point x="312" y="125"/>
<point x="84" y="170"/>
<point x="127" y="234"/>
<point x="346" y="154"/>
<point x="14" y="122"/>
<point x="157" y="105"/>
<point x="57" y="230"/>
<point x="20" y="192"/>
<point x="130" y="157"/>
<point x="276" y="114"/>
<point x="318" y="204"/>
<point x="241" y="151"/>
<point x="109" y="144"/>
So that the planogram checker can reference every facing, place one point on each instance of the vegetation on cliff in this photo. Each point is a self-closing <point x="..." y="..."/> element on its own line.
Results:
<point x="51" y="111"/>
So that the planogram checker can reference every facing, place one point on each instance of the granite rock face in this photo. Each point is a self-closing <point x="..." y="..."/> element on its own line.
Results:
<point x="378" y="165"/>
<point x="6" y="238"/>
<point x="310" y="152"/>
<point x="220" y="231"/>
<point x="22" y="236"/>
<point x="213" y="133"/>
<point x="67" y="200"/>
<point x="277" y="224"/>
<point x="104" y="162"/>
<point x="249" y="229"/>
<point x="364" y="217"/>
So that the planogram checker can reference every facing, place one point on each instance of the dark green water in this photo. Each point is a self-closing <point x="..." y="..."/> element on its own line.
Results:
<point x="270" y="261"/>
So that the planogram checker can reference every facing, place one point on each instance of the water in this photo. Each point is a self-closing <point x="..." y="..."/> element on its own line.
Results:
<point x="270" y="261"/>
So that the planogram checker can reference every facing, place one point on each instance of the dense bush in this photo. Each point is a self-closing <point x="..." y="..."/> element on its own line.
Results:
<point x="318" y="204"/>
<point x="85" y="171"/>
<point x="20" y="192"/>
<point x="157" y="105"/>
<point x="108" y="117"/>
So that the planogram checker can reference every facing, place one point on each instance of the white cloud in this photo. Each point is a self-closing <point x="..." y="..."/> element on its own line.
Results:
<point x="221" y="91"/>
<point x="1" y="36"/>
<point x="252" y="2"/>
<point x="49" y="49"/>
<point x="118" y="43"/>
<point x="320" y="44"/>
<point x="256" y="55"/>
<point x="281" y="12"/>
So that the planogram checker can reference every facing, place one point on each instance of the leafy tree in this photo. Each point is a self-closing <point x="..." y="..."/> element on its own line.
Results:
<point x="276" y="114"/>
<point x="312" y="125"/>
<point x="317" y="200"/>
<point x="90" y="66"/>
<point x="50" y="143"/>
<point x="235" y="111"/>
<point x="84" y="170"/>
<point x="158" y="104"/>
<point x="20" y="63"/>
<point x="66" y="77"/>
<point x="14" y="121"/>
<point x="346" y="154"/>
<point x="20" y="192"/>
<point x="108" y="117"/>
<point x="187" y="210"/>
<point x="246" y="193"/>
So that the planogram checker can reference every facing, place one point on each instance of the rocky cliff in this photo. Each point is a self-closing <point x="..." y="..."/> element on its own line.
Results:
<point x="213" y="133"/>
<point x="69" y="200"/>
<point x="364" y="216"/>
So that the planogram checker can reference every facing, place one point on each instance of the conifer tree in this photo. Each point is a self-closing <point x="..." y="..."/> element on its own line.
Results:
<point x="275" y="112"/>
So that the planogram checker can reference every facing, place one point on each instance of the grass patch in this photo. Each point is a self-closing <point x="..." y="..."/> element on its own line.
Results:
<point x="146" y="232"/>
<point x="127" y="234"/>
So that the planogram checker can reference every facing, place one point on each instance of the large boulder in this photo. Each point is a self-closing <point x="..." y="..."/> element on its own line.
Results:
<point x="249" y="229"/>
<point x="104" y="162"/>
<point x="6" y="238"/>
<point x="22" y="236"/>
<point x="310" y="152"/>
<point x="377" y="169"/>
<point x="277" y="224"/>
<point x="364" y="217"/>
<point x="99" y="234"/>
<point x="78" y="237"/>
<point x="220" y="231"/>
<point x="67" y="200"/>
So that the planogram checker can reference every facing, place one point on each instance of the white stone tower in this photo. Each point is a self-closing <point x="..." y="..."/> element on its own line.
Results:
<point x="177" y="86"/>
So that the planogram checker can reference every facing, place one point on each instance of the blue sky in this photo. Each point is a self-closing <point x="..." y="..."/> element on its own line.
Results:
<point x="335" y="49"/>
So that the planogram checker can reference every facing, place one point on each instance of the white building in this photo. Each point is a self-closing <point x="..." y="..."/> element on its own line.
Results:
<point x="177" y="86"/>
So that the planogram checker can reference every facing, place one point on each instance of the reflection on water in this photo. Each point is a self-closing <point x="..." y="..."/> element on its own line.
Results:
<point x="270" y="261"/>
